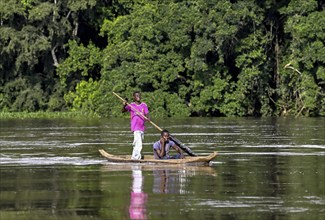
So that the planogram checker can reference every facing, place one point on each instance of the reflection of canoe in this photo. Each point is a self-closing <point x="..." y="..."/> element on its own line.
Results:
<point x="199" y="160"/>
<point x="189" y="170"/>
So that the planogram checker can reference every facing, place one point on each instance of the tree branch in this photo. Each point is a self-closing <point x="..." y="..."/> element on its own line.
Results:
<point x="55" y="60"/>
<point x="75" y="30"/>
<point x="288" y="66"/>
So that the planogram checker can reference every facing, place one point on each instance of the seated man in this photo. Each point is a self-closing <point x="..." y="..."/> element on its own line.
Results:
<point x="161" y="148"/>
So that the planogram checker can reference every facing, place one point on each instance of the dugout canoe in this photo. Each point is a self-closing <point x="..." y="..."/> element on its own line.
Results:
<point x="198" y="160"/>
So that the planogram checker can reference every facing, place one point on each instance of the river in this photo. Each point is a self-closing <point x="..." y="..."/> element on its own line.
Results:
<point x="266" y="168"/>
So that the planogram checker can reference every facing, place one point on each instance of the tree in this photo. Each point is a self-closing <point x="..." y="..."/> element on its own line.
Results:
<point x="188" y="57"/>
<point x="33" y="34"/>
<point x="303" y="76"/>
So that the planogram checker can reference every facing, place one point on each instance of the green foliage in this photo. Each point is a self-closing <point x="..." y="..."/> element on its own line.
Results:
<point x="164" y="104"/>
<point x="19" y="95"/>
<point x="302" y="89"/>
<point x="150" y="51"/>
<point x="33" y="35"/>
<point x="27" y="4"/>
<point x="189" y="58"/>
<point x="41" y="11"/>
<point x="45" y="115"/>
<point x="82" y="61"/>
<point x="10" y="8"/>
<point x="253" y="78"/>
<point x="309" y="95"/>
<point x="231" y="106"/>
<point x="77" y="5"/>
<point x="85" y="97"/>
<point x="56" y="101"/>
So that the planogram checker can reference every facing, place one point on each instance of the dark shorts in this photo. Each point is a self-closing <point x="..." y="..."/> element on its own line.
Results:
<point x="177" y="156"/>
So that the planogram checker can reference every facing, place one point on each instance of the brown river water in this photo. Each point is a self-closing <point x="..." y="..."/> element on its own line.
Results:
<point x="266" y="168"/>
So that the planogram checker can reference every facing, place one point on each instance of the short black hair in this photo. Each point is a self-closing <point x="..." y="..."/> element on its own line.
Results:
<point x="135" y="92"/>
<point x="164" y="131"/>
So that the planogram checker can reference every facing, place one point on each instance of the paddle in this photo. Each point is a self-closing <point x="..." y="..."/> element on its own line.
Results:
<point x="180" y="144"/>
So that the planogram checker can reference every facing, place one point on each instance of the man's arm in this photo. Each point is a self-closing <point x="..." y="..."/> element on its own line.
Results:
<point x="178" y="150"/>
<point x="124" y="105"/>
<point x="161" y="152"/>
<point x="147" y="115"/>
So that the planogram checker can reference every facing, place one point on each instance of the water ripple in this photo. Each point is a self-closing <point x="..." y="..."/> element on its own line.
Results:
<point x="48" y="161"/>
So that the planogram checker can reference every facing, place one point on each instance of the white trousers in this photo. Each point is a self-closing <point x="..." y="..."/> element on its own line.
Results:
<point x="137" y="144"/>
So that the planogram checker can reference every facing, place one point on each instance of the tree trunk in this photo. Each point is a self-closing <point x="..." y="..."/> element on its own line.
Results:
<point x="55" y="60"/>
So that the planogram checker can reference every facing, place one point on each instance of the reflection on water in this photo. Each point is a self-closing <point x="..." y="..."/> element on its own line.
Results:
<point x="160" y="181"/>
<point x="266" y="169"/>
<point x="166" y="181"/>
<point x="138" y="198"/>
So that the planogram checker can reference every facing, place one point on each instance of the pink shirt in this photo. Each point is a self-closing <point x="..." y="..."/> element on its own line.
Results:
<point x="137" y="121"/>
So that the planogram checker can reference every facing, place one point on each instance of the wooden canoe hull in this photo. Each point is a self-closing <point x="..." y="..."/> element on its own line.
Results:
<point x="199" y="160"/>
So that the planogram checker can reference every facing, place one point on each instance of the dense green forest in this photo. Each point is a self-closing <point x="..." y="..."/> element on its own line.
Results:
<point x="187" y="57"/>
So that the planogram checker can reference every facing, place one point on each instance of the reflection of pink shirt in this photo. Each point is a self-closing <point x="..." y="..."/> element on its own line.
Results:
<point x="137" y="121"/>
<point x="137" y="209"/>
<point x="138" y="200"/>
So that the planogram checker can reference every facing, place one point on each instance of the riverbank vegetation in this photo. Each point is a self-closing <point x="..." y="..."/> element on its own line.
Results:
<point x="188" y="57"/>
<point x="46" y="115"/>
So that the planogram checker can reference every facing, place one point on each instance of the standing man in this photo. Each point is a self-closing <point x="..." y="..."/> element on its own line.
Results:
<point x="137" y="110"/>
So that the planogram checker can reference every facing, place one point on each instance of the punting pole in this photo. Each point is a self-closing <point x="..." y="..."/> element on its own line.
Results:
<point x="178" y="142"/>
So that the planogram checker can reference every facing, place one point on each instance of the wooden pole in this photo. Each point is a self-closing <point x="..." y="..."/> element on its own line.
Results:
<point x="180" y="144"/>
